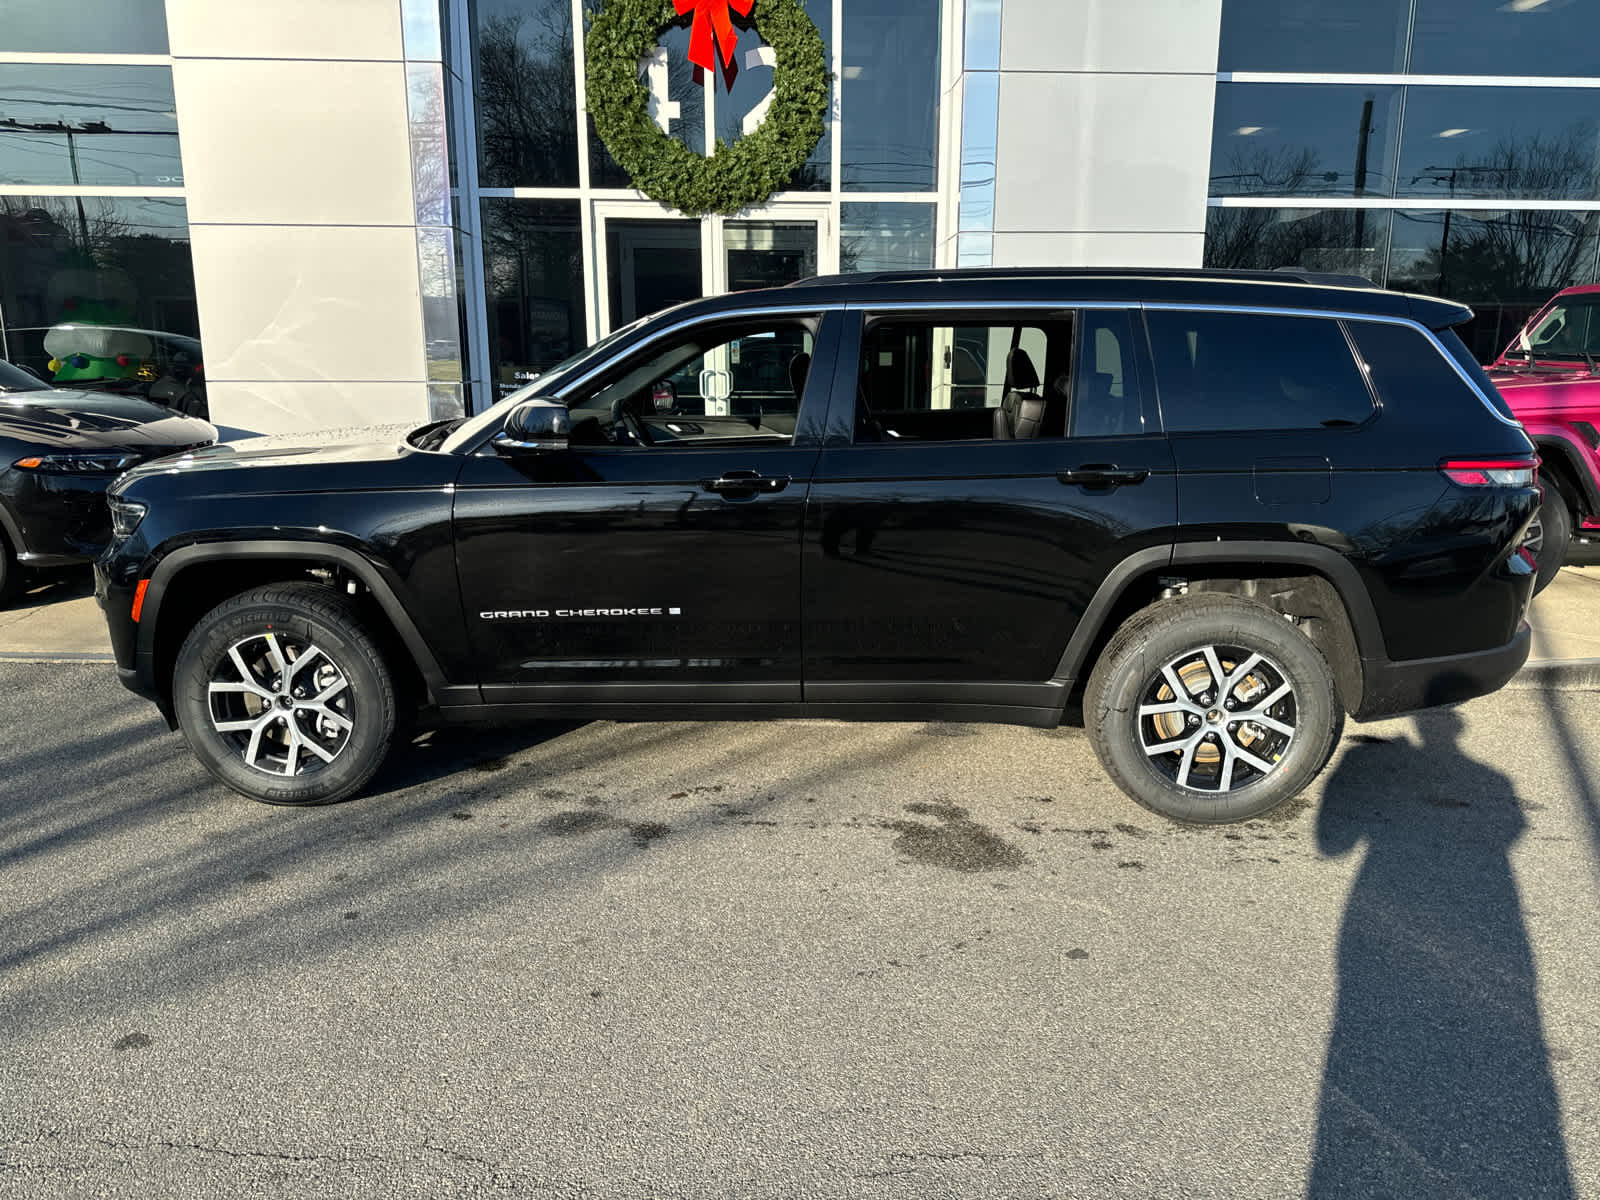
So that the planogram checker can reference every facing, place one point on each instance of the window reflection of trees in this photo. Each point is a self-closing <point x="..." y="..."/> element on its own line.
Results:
<point x="41" y="237"/>
<point x="533" y="261"/>
<point x="527" y="99"/>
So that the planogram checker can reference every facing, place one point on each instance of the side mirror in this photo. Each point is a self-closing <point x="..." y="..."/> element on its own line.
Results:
<point x="537" y="424"/>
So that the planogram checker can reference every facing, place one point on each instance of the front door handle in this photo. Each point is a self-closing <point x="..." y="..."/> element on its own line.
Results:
<point x="1103" y="475"/>
<point x="737" y="485"/>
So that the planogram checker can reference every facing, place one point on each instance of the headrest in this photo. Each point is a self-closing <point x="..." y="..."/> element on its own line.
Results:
<point x="1020" y="375"/>
<point x="799" y="366"/>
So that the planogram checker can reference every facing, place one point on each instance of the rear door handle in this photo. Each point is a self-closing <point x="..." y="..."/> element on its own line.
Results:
<point x="1103" y="475"/>
<point x="741" y="484"/>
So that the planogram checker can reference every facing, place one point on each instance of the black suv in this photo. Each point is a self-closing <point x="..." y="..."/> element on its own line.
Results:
<point x="1225" y="509"/>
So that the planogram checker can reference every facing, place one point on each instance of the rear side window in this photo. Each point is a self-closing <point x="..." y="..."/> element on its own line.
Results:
<point x="1217" y="372"/>
<point x="1407" y="367"/>
<point x="1105" y="389"/>
<point x="1458" y="351"/>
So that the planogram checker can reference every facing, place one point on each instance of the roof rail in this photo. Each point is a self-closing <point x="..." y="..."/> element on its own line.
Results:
<point x="1281" y="275"/>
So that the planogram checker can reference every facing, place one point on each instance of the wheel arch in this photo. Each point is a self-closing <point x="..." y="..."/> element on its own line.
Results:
<point x="1567" y="467"/>
<point x="211" y="572"/>
<point x="11" y="531"/>
<point x="1317" y="586"/>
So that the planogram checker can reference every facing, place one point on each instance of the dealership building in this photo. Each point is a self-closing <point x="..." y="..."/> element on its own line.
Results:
<point x="328" y="213"/>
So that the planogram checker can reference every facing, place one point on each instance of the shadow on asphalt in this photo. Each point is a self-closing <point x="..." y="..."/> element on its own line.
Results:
<point x="1438" y="1078"/>
<point x="121" y="848"/>
<point x="47" y="586"/>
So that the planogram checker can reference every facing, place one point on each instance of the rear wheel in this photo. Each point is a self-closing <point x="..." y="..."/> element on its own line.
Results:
<point x="1549" y="536"/>
<point x="283" y="696"/>
<point x="1211" y="709"/>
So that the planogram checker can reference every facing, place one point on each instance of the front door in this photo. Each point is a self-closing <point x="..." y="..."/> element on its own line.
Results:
<point x="659" y="556"/>
<point x="989" y="469"/>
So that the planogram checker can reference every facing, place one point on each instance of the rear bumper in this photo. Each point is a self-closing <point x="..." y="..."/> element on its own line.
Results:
<point x="1398" y="687"/>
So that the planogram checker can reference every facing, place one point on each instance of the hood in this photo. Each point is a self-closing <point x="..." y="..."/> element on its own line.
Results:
<point x="75" y="420"/>
<point x="1531" y="393"/>
<point x="379" y="459"/>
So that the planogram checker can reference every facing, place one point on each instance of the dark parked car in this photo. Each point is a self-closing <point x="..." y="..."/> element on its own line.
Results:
<point x="59" y="450"/>
<point x="1224" y="509"/>
<point x="150" y="363"/>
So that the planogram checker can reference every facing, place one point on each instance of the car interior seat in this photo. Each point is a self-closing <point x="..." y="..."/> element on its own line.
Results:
<point x="799" y="368"/>
<point x="1022" y="409"/>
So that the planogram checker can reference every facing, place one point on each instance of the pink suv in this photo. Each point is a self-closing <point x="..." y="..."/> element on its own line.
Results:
<point x="1550" y="376"/>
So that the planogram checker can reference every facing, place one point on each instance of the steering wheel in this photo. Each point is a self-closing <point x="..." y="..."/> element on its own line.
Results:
<point x="635" y="427"/>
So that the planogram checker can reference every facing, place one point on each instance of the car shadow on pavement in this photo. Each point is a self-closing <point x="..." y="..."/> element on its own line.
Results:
<point x="448" y="750"/>
<point x="48" y="586"/>
<point x="1438" y="1077"/>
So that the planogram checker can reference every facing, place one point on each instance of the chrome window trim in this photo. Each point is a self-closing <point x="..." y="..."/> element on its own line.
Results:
<point x="1334" y="315"/>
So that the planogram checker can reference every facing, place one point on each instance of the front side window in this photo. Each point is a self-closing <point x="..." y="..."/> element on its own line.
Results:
<point x="923" y="380"/>
<point x="1235" y="371"/>
<point x="722" y="383"/>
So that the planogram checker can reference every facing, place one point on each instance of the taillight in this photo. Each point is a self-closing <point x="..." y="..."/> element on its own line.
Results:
<point x="1491" y="472"/>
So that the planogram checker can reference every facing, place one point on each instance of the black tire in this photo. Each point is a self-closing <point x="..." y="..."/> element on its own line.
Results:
<point x="1551" y="535"/>
<point x="354" y="727"/>
<point x="10" y="571"/>
<point x="1130" y="677"/>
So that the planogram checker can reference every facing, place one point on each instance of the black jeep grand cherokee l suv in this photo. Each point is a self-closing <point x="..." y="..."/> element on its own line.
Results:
<point x="1229" y="508"/>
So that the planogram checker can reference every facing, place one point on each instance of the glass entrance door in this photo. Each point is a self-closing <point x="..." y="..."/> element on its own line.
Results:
<point x="650" y="261"/>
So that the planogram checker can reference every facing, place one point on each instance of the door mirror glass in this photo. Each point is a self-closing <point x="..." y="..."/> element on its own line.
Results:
<point x="537" y="424"/>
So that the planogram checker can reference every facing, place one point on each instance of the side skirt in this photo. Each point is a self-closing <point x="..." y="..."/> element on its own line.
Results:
<point x="987" y="714"/>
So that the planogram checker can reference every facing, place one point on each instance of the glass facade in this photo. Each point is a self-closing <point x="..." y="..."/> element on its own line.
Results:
<point x="1485" y="189"/>
<point x="565" y="249"/>
<point x="84" y="27"/>
<point x="96" y="279"/>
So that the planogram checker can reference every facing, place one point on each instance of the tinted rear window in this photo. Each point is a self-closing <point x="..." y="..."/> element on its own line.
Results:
<point x="1405" y="364"/>
<point x="1236" y="371"/>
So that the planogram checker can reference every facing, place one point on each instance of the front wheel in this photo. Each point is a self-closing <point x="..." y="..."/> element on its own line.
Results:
<point x="283" y="696"/>
<point x="1208" y="708"/>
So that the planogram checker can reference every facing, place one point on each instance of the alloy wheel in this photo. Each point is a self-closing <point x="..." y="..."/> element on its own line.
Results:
<point x="283" y="704"/>
<point x="1217" y="718"/>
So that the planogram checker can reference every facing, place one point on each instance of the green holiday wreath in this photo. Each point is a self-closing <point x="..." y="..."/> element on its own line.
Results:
<point x="732" y="177"/>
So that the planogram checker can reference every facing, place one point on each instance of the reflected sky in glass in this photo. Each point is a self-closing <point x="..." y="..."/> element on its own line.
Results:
<point x="88" y="125"/>
<point x="84" y="26"/>
<point x="1282" y="139"/>
<point x="885" y="237"/>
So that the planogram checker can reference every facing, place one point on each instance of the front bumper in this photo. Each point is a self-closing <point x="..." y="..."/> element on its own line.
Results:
<point x="1390" y="688"/>
<point x="63" y="520"/>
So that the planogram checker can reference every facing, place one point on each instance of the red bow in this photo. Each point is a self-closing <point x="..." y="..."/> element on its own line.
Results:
<point x="711" y="16"/>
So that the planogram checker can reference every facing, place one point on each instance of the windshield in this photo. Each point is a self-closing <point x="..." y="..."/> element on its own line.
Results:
<point x="15" y="379"/>
<point x="1571" y="329"/>
<point x="548" y="382"/>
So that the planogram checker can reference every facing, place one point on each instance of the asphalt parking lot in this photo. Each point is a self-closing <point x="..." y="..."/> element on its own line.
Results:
<point x="796" y="959"/>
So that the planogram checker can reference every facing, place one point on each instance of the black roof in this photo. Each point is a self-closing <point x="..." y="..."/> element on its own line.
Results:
<point x="1075" y="285"/>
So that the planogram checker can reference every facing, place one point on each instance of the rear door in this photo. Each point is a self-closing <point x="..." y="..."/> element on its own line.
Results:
<point x="947" y="557"/>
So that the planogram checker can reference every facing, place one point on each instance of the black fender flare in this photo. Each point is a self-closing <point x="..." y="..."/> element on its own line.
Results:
<point x="1173" y="560"/>
<point x="359" y="566"/>
<point x="1552" y="444"/>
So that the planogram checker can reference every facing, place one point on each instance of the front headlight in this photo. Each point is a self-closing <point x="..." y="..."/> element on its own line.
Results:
<point x="125" y="516"/>
<point x="82" y="463"/>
